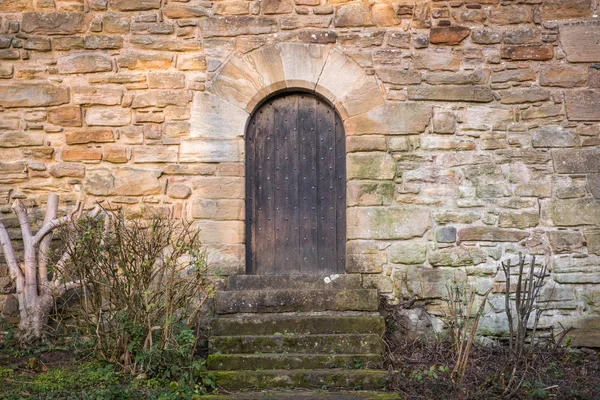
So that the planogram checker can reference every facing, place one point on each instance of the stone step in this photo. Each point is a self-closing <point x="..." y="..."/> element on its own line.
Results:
<point x="322" y="379"/>
<point x="299" y="282"/>
<point x="289" y="300"/>
<point x="232" y="362"/>
<point x="307" y="394"/>
<point x="270" y="324"/>
<point x="305" y="344"/>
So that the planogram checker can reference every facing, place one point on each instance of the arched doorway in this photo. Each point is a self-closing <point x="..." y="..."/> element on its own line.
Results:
<point x="295" y="187"/>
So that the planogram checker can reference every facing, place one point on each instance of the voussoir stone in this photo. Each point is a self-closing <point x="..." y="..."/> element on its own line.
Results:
<point x="388" y="222"/>
<point x="489" y="234"/>
<point x="84" y="63"/>
<point x="122" y="182"/>
<point x="33" y="95"/>
<point x="55" y="23"/>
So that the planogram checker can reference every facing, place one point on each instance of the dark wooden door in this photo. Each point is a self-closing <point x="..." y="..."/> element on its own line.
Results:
<point x="295" y="187"/>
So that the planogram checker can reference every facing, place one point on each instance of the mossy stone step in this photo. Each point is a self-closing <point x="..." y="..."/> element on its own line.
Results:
<point x="298" y="282"/>
<point x="287" y="300"/>
<point x="305" y="394"/>
<point x="270" y="324"/>
<point x="233" y="362"/>
<point x="306" y="344"/>
<point x="324" y="379"/>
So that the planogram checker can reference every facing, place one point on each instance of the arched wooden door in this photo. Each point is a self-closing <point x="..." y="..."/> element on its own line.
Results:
<point x="295" y="187"/>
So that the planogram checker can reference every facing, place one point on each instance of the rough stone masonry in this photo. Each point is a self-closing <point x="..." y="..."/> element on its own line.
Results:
<point x="473" y="128"/>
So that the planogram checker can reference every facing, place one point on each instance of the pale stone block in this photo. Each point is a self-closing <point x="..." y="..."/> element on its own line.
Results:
<point x="372" y="165"/>
<point x="213" y="117"/>
<point x="122" y="182"/>
<point x="387" y="222"/>
<point x="107" y="116"/>
<point x="211" y="150"/>
<point x="302" y="63"/>
<point x="221" y="232"/>
<point x="392" y="118"/>
<point x="219" y="209"/>
<point x="335" y="85"/>
<point x="209" y="187"/>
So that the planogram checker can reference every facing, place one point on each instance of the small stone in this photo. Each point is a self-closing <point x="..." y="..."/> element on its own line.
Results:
<point x="236" y="26"/>
<point x="444" y="122"/>
<point x="155" y="154"/>
<point x="374" y="165"/>
<point x="144" y="61"/>
<point x="486" y="36"/>
<point x="592" y="240"/>
<point x="387" y="223"/>
<point x="383" y="15"/>
<point x="572" y="212"/>
<point x="582" y="105"/>
<point x="162" y="98"/>
<point x="277" y="6"/>
<point x="520" y="220"/>
<point x="178" y="10"/>
<point x="93" y="95"/>
<point x="115" y="154"/>
<point x="369" y="193"/>
<point x="529" y="95"/>
<point x="528" y="52"/>
<point x="565" y="241"/>
<point x="566" y="77"/>
<point x="566" y="9"/>
<point x="445" y="234"/>
<point x="221" y="209"/>
<point x="122" y="182"/>
<point x="481" y="94"/>
<point x="576" y="161"/>
<point x="115" y="23"/>
<point x="554" y="137"/>
<point x="179" y="191"/>
<point x="82" y="154"/>
<point x="103" y="42"/>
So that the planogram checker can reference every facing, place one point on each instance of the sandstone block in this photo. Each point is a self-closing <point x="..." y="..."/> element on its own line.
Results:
<point x="107" y="116"/>
<point x="566" y="9"/>
<point x="456" y="78"/>
<point x="366" y="257"/>
<point x="54" y="23"/>
<point x="221" y="232"/>
<point x="179" y="191"/>
<point x="211" y="150"/>
<point x="526" y="35"/>
<point x="450" y="35"/>
<point x="592" y="240"/>
<point x="191" y="62"/>
<point x="93" y="95"/>
<point x="565" y="241"/>
<point x="216" y="210"/>
<point x="37" y="44"/>
<point x="576" y="161"/>
<point x="554" y="137"/>
<point x="437" y="60"/>
<point x="507" y="15"/>
<point x="145" y="61"/>
<point x="392" y="118"/>
<point x="209" y="187"/>
<point x="352" y="15"/>
<point x="457" y="257"/>
<point x="116" y="23"/>
<point x="13" y="172"/>
<point x="445" y="234"/>
<point x="383" y="15"/>
<point x="162" y="98"/>
<point x="20" y="139"/>
<point x="91" y="135"/>
<point x="16" y="5"/>
<point x="82" y="154"/>
<point x="387" y="222"/>
<point x="33" y="95"/>
<point x="236" y="26"/>
<point x="376" y="165"/>
<point x="486" y="118"/>
<point x="398" y="76"/>
<point x="486" y="36"/>
<point x="580" y="41"/>
<point x="134" y="5"/>
<point x="566" y="77"/>
<point x="69" y="170"/>
<point x="582" y="105"/>
<point x="155" y="154"/>
<point x="178" y="10"/>
<point x="514" y="75"/>
<point x="65" y="116"/>
<point x="479" y="94"/>
<point x="115" y="154"/>
<point x="488" y="234"/>
<point x="520" y="220"/>
<point x="532" y="52"/>
<point x="103" y="42"/>
<point x="572" y="212"/>
<point x="277" y="6"/>
<point x="593" y="184"/>
<point x="365" y="143"/>
<point x="444" y="122"/>
<point x="369" y="193"/>
<point x="427" y="283"/>
<point x="83" y="63"/>
<point x="434" y="142"/>
<point x="163" y="80"/>
<point x="408" y="253"/>
<point x="576" y="270"/>
<point x="530" y="95"/>
<point x="122" y="182"/>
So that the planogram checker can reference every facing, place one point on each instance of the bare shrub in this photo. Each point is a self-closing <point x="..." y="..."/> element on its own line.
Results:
<point x="145" y="281"/>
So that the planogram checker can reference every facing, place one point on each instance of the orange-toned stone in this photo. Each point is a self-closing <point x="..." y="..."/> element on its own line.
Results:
<point x="90" y="135"/>
<point x="65" y="116"/>
<point x="451" y="35"/>
<point x="82" y="154"/>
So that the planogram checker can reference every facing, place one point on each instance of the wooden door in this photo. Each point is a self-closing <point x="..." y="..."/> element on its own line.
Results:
<point x="295" y="187"/>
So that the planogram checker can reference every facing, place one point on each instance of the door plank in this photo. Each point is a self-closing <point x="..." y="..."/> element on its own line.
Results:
<point x="307" y="122"/>
<point x="340" y="170"/>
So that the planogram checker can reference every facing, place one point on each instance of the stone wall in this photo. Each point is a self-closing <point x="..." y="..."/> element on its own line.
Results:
<point x="473" y="127"/>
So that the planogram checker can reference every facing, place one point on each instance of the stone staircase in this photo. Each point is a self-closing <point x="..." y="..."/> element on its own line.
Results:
<point x="282" y="332"/>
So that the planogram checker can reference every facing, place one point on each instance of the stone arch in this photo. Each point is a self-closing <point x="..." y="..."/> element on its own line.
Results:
<point x="219" y="115"/>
